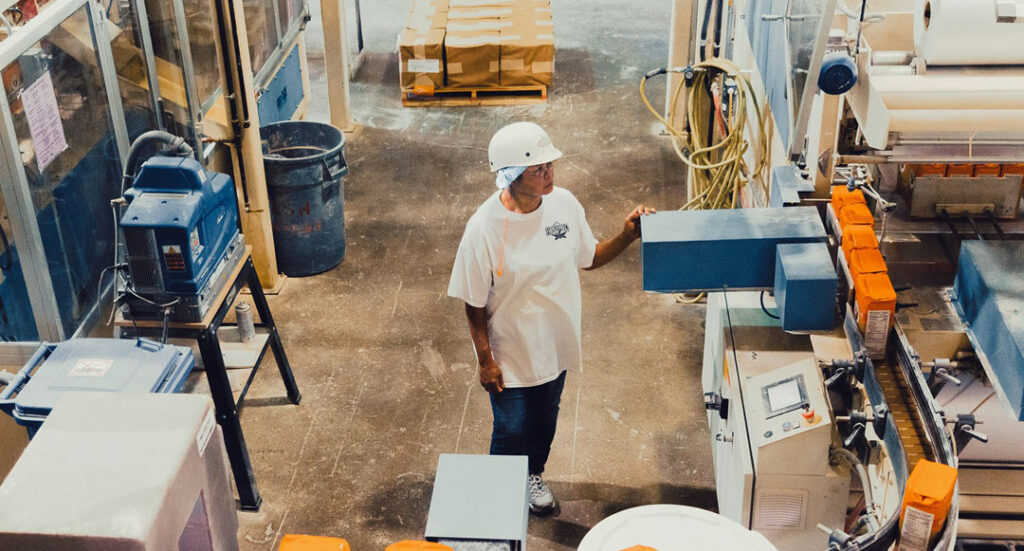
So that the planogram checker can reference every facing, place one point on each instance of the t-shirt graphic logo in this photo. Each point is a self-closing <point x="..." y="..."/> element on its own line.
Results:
<point x="557" y="230"/>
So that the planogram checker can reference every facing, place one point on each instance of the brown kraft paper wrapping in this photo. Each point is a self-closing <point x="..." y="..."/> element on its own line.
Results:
<point x="527" y="56"/>
<point x="454" y="4"/>
<point x="472" y="58"/>
<point x="423" y="21"/>
<point x="473" y="25"/>
<point x="428" y="6"/>
<point x="421" y="55"/>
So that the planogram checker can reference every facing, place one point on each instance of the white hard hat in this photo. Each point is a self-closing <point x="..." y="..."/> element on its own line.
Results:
<point x="521" y="144"/>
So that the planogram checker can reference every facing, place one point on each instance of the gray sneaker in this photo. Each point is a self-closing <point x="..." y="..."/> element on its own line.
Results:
<point x="541" y="499"/>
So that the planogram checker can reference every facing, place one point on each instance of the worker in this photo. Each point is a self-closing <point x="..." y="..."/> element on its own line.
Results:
<point x="517" y="271"/>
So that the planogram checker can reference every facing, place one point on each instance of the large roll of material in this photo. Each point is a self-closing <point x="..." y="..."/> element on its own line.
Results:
<point x="914" y="92"/>
<point x="966" y="32"/>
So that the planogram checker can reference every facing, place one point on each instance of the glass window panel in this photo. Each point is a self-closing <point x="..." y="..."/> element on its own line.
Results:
<point x="290" y="11"/>
<point x="202" y="35"/>
<point x="16" y="320"/>
<point x="130" y="63"/>
<point x="164" y="36"/>
<point x="803" y="27"/>
<point x="72" y="193"/>
<point x="261" y="28"/>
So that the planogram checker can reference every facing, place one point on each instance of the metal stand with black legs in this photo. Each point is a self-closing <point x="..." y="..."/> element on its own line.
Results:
<point x="205" y="333"/>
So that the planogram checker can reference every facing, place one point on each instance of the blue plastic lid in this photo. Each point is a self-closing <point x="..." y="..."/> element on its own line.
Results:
<point x="108" y="365"/>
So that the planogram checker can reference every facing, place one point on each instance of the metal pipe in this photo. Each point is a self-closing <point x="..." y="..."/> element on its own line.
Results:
<point x="977" y="143"/>
<point x="863" y="159"/>
<point x="891" y="57"/>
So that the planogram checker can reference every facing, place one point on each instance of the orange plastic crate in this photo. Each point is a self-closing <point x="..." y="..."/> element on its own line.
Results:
<point x="963" y="169"/>
<point x="296" y="542"/>
<point x="931" y="169"/>
<point x="988" y="169"/>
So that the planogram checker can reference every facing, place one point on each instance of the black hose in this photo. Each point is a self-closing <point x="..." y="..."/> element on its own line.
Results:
<point x="995" y="223"/>
<point x="175" y="146"/>
<point x="704" y="30"/>
<point x="769" y="314"/>
<point x="654" y="73"/>
<point x="720" y="7"/>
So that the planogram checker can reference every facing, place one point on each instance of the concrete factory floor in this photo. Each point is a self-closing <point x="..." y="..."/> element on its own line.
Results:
<point x="383" y="357"/>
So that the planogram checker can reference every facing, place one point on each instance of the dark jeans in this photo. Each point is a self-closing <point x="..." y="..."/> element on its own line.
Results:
<point x="524" y="421"/>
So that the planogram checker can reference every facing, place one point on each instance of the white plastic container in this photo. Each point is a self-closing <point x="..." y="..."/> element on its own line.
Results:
<point x="671" y="528"/>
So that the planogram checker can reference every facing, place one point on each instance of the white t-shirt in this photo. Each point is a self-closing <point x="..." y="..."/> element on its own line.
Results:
<point x="524" y="269"/>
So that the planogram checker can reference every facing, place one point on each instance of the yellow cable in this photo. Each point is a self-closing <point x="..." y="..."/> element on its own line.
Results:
<point x="720" y="171"/>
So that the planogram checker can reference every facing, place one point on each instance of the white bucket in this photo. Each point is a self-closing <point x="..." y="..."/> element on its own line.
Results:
<point x="671" y="528"/>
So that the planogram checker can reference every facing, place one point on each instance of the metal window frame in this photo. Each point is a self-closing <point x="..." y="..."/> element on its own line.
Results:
<point x="286" y="39"/>
<point x="196" y="108"/>
<point x="803" y="116"/>
<point x="141" y="15"/>
<point x="14" y="182"/>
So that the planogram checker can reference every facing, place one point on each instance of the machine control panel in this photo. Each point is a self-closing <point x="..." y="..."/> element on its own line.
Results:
<point x="784" y="396"/>
<point x="790" y="402"/>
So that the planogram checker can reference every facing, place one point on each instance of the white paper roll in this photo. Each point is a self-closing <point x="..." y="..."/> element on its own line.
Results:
<point x="916" y="92"/>
<point x="966" y="32"/>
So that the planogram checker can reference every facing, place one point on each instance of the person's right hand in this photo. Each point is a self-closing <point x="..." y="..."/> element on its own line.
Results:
<point x="491" y="378"/>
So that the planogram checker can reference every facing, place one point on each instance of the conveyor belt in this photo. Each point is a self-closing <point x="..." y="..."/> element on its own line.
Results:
<point x="907" y="418"/>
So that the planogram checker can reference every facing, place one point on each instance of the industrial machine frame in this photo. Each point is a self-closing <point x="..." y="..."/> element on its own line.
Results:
<point x="228" y="408"/>
<point x="899" y="114"/>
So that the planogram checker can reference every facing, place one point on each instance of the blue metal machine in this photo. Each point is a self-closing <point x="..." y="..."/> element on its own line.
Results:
<point x="181" y="233"/>
<point x="989" y="297"/>
<point x="775" y="248"/>
<point x="715" y="249"/>
<point x="92" y="365"/>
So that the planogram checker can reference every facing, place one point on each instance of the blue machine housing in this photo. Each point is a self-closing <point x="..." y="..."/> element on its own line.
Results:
<point x="787" y="186"/>
<point x="179" y="224"/>
<point x="707" y="250"/>
<point x="805" y="286"/>
<point x="989" y="297"/>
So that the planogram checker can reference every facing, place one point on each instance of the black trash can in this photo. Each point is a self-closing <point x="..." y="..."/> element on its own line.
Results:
<point x="305" y="167"/>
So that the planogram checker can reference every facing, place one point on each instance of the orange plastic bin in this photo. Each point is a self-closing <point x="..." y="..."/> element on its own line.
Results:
<point x="296" y="542"/>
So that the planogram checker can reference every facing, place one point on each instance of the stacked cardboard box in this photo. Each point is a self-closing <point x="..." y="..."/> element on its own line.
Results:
<point x="421" y="45"/>
<point x="528" y="50"/>
<point x="478" y="43"/>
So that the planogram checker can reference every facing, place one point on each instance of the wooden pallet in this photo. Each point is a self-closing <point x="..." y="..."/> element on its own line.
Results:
<point x="489" y="95"/>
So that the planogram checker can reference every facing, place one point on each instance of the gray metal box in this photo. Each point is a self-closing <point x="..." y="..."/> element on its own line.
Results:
<point x="927" y="194"/>
<point x="480" y="498"/>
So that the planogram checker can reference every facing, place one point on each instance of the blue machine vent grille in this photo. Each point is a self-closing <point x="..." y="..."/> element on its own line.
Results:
<point x="143" y="260"/>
